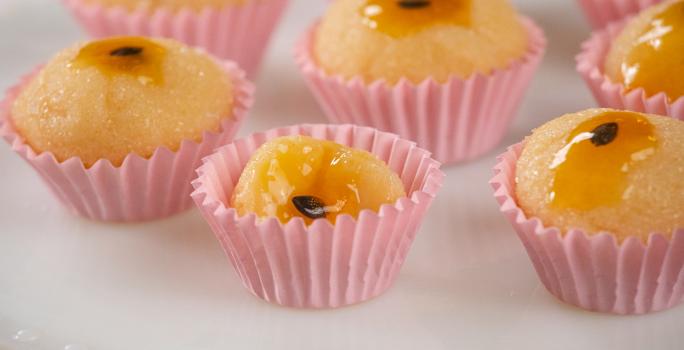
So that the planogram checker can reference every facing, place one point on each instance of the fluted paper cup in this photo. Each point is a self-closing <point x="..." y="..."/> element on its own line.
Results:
<point x="601" y="12"/>
<point x="140" y="189"/>
<point x="457" y="121"/>
<point x="235" y="32"/>
<point x="321" y="265"/>
<point x="590" y="64"/>
<point x="592" y="270"/>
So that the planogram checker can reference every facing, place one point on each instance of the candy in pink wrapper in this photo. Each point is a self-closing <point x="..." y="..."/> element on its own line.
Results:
<point x="601" y="12"/>
<point x="594" y="271"/>
<point x="140" y="189"/>
<point x="457" y="121"/>
<point x="590" y="64"/>
<point x="238" y="33"/>
<point x="321" y="265"/>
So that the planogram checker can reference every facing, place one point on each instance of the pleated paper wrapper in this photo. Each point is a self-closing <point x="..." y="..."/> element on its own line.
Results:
<point x="238" y="33"/>
<point x="590" y="64"/>
<point x="140" y="189"/>
<point x="594" y="271"/>
<point x="457" y="121"/>
<point x="321" y="265"/>
<point x="602" y="12"/>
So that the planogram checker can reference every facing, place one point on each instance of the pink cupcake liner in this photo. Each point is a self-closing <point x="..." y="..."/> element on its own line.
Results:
<point x="322" y="265"/>
<point x="140" y="189"/>
<point x="239" y="33"/>
<point x="590" y="64"/>
<point x="601" y="12"/>
<point x="457" y="121"/>
<point x="593" y="271"/>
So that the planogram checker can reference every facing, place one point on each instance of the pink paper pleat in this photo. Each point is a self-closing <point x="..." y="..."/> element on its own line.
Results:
<point x="140" y="189"/>
<point x="322" y="265"/>
<point x="601" y="12"/>
<point x="457" y="121"/>
<point x="593" y="271"/>
<point x="239" y="33"/>
<point x="590" y="64"/>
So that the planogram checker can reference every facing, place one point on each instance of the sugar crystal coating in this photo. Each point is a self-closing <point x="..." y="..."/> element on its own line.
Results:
<point x="98" y="108"/>
<point x="627" y="184"/>
<point x="363" y="38"/>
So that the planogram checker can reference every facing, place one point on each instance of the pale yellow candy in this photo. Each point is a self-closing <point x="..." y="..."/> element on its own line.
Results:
<point x="96" y="106"/>
<point x="343" y="180"/>
<point x="488" y="36"/>
<point x="631" y="186"/>
<point x="172" y="5"/>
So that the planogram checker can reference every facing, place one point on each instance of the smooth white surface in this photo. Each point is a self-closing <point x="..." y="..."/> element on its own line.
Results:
<point x="66" y="283"/>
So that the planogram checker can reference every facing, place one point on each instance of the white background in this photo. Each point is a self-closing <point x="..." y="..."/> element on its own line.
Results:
<point x="67" y="283"/>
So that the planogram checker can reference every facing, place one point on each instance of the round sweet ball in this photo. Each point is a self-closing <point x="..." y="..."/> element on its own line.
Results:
<point x="604" y="170"/>
<point x="418" y="39"/>
<point x="171" y="5"/>
<point x="648" y="53"/>
<point x="299" y="176"/>
<point x="109" y="98"/>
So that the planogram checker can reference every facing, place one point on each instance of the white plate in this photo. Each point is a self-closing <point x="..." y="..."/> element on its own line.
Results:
<point x="467" y="284"/>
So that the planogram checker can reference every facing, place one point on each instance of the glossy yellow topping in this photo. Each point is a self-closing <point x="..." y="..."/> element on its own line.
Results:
<point x="403" y="17"/>
<point x="300" y="176"/>
<point x="136" y="56"/>
<point x="591" y="169"/>
<point x="654" y="56"/>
